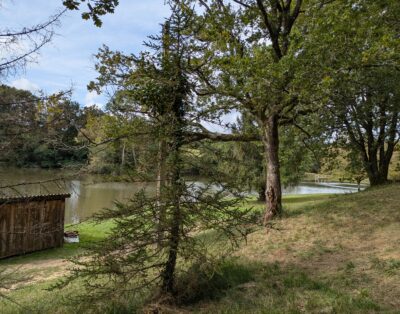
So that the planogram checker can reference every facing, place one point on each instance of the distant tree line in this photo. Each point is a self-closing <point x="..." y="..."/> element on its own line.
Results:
<point x="40" y="132"/>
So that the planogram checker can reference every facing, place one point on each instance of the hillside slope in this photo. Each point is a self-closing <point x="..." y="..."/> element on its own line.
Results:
<point x="328" y="254"/>
<point x="338" y="255"/>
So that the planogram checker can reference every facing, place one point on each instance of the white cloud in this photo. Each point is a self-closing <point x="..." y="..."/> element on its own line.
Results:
<point x="25" y="84"/>
<point x="68" y="59"/>
<point x="90" y="99"/>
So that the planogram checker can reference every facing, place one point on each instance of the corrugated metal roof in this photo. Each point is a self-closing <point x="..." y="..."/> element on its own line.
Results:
<point x="41" y="197"/>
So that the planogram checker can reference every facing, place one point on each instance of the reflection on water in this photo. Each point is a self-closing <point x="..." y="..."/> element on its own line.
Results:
<point x="322" y="188"/>
<point x="89" y="196"/>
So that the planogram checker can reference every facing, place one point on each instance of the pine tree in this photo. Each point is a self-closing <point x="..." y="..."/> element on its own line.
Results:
<point x="157" y="237"/>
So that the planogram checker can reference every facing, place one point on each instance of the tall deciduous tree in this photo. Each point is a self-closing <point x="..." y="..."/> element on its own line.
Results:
<point x="356" y="45"/>
<point x="242" y="163"/>
<point x="253" y="46"/>
<point x="39" y="131"/>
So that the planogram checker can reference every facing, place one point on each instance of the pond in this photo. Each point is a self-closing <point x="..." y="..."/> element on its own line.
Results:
<point x="322" y="188"/>
<point x="89" y="194"/>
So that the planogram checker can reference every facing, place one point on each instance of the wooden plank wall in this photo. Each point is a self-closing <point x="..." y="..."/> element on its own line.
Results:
<point x="31" y="225"/>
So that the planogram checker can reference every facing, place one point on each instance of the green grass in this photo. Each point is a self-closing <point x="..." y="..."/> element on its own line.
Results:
<point x="327" y="254"/>
<point x="88" y="233"/>
<point x="277" y="289"/>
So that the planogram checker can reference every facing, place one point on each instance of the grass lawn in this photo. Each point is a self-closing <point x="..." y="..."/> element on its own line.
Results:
<point x="327" y="254"/>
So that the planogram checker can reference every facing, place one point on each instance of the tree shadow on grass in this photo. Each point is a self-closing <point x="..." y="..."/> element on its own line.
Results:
<point x="248" y="287"/>
<point x="211" y="281"/>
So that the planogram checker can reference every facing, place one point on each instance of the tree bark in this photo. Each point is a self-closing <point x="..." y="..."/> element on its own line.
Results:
<point x="168" y="276"/>
<point x="261" y="193"/>
<point x="378" y="171"/>
<point x="174" y="236"/>
<point x="379" y="176"/>
<point x="162" y="152"/>
<point x="273" y="180"/>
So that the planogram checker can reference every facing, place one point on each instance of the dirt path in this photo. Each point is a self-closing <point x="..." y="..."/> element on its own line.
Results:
<point x="39" y="271"/>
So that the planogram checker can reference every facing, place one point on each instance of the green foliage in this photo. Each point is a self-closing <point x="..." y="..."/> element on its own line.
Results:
<point x="296" y="155"/>
<point x="355" y="168"/>
<point x="358" y="78"/>
<point x="39" y="131"/>
<point x="96" y="8"/>
<point x="155" y="238"/>
<point x="242" y="164"/>
<point x="128" y="147"/>
<point x="253" y="64"/>
<point x="132" y="256"/>
<point x="239" y="164"/>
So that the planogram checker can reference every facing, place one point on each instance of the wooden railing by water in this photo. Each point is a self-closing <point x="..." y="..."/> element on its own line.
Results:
<point x="31" y="223"/>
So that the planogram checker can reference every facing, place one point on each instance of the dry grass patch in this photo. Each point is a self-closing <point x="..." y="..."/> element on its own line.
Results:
<point x="351" y="243"/>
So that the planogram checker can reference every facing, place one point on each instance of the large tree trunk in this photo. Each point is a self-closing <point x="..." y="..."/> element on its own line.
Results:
<point x="380" y="176"/>
<point x="377" y="179"/>
<point x="273" y="179"/>
<point x="376" y="148"/>
<point x="378" y="171"/>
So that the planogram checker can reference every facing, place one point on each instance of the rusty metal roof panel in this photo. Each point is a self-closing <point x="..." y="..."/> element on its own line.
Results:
<point x="27" y="198"/>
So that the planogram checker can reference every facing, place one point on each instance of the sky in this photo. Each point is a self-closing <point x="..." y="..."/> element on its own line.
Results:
<point x="68" y="61"/>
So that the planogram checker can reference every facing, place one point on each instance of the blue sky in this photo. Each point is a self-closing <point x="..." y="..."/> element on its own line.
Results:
<point x="68" y="60"/>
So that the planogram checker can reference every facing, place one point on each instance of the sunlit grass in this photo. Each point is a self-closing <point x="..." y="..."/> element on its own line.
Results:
<point x="327" y="254"/>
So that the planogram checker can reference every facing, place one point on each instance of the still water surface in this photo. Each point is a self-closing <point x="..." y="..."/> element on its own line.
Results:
<point x="89" y="194"/>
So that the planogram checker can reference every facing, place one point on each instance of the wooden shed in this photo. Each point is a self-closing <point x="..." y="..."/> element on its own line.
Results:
<point x="31" y="223"/>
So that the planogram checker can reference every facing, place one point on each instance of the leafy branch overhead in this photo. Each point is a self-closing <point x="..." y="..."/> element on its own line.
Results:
<point x="95" y="8"/>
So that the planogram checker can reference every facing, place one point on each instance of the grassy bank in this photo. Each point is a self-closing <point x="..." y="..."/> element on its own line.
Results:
<point x="328" y="254"/>
<point x="340" y="255"/>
